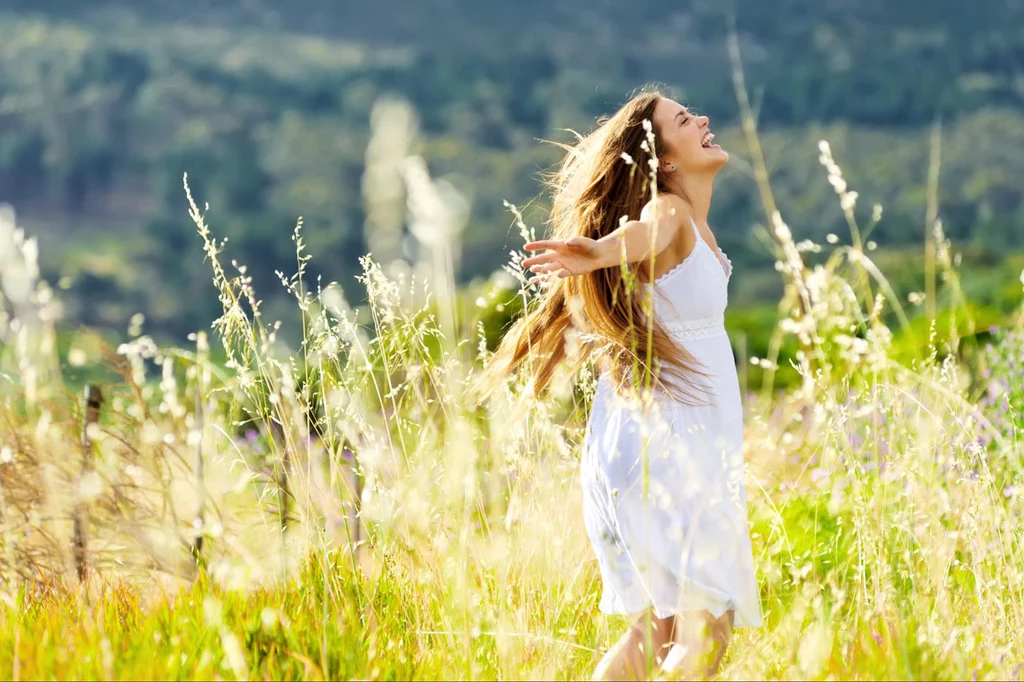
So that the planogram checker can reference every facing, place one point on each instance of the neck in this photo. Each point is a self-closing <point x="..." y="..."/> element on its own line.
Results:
<point x="696" y="189"/>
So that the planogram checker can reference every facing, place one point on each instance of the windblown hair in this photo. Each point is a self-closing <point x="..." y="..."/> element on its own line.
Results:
<point x="594" y="188"/>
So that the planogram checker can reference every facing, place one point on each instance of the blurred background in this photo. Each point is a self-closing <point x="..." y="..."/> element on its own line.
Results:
<point x="104" y="104"/>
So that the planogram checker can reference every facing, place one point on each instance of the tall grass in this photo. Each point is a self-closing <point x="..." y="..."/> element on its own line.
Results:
<point x="360" y="518"/>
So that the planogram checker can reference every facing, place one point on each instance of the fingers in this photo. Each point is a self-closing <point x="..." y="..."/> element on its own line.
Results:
<point x="538" y="259"/>
<point x="550" y="275"/>
<point x="546" y="267"/>
<point x="546" y="279"/>
<point x="544" y="244"/>
<point x="558" y="244"/>
<point x="542" y="281"/>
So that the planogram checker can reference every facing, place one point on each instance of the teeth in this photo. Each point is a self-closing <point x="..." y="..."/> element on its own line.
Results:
<point x="706" y="142"/>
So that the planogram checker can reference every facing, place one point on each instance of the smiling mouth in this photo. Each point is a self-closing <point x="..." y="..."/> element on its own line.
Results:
<point x="706" y="142"/>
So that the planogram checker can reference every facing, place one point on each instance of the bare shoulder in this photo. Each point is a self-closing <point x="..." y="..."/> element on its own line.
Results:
<point x="667" y="208"/>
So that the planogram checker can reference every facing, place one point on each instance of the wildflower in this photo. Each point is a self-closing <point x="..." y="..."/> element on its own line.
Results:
<point x="781" y="229"/>
<point x="848" y="200"/>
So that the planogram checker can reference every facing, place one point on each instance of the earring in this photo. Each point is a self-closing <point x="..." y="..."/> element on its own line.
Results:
<point x="671" y="167"/>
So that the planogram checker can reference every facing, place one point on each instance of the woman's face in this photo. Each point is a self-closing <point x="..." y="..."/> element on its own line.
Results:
<point x="685" y="140"/>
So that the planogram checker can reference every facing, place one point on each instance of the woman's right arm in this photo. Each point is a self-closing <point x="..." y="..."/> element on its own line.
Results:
<point x="656" y="229"/>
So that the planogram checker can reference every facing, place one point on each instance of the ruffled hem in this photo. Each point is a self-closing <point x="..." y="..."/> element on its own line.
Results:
<point x="698" y="598"/>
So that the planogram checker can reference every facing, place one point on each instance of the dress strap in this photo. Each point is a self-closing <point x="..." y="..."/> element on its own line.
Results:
<point x="715" y="250"/>
<point x="696" y="230"/>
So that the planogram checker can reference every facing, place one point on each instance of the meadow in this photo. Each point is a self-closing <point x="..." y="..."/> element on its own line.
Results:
<point x="249" y="507"/>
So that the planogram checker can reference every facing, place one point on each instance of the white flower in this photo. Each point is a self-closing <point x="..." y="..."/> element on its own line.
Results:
<point x="831" y="238"/>
<point x="848" y="200"/>
<point x="781" y="229"/>
<point x="838" y="184"/>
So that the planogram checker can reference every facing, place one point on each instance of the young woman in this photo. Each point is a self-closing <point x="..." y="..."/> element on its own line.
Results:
<point x="662" y="465"/>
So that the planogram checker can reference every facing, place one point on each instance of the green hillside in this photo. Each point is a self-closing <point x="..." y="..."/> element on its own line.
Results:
<point x="104" y="105"/>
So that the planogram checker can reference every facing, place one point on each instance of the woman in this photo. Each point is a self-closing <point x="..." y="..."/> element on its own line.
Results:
<point x="662" y="466"/>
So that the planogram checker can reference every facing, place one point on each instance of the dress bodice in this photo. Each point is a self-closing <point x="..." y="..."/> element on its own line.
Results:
<point x="691" y="298"/>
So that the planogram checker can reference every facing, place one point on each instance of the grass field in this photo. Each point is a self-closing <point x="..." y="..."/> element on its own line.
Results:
<point x="338" y="508"/>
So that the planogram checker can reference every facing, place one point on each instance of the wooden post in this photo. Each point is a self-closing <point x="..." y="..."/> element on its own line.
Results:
<point x="283" y="485"/>
<point x="357" y="501"/>
<point x="284" y="492"/>
<point x="80" y="522"/>
<point x="200" y="521"/>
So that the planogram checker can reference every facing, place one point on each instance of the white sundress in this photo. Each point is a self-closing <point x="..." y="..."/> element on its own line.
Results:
<point x="682" y="541"/>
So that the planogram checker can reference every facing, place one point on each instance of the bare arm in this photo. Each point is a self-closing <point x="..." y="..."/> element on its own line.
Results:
<point x="657" y="227"/>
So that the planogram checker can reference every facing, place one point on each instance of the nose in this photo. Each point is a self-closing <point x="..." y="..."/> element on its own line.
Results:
<point x="704" y="121"/>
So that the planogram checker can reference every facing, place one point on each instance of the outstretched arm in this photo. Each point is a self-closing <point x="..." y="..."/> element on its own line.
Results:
<point x="657" y="227"/>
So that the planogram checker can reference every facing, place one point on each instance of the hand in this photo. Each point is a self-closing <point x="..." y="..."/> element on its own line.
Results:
<point x="565" y="257"/>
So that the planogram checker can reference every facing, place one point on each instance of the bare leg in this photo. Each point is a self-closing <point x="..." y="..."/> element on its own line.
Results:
<point x="699" y="642"/>
<point x="628" y="657"/>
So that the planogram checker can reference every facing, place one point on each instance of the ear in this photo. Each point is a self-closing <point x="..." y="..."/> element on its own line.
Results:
<point x="666" y="166"/>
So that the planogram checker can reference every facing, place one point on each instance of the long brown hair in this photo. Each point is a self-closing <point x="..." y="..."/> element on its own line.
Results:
<point x="594" y="187"/>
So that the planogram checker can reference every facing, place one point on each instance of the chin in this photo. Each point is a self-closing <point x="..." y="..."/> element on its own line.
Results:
<point x="719" y="159"/>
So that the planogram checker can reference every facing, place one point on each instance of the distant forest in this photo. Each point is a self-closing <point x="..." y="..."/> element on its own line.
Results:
<point x="105" y="104"/>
